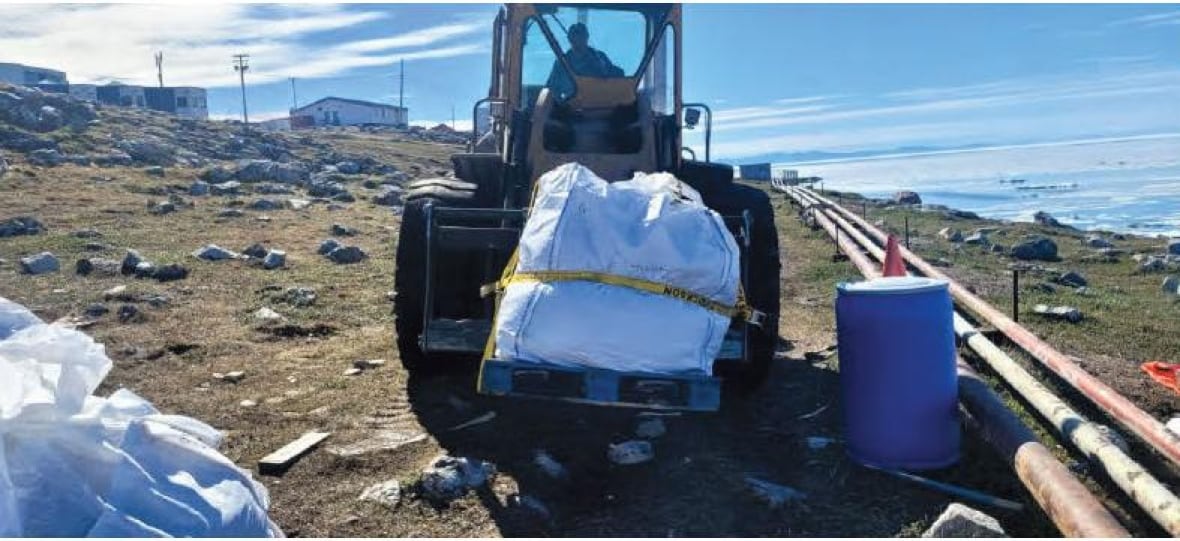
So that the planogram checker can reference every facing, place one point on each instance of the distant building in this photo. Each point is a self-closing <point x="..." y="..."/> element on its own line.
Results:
<point x="754" y="171"/>
<point x="20" y="74"/>
<point x="333" y="111"/>
<point x="84" y="92"/>
<point x="183" y="101"/>
<point x="121" y="95"/>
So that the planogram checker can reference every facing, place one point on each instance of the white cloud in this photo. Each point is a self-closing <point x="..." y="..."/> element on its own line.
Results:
<point x="1165" y="18"/>
<point x="96" y="43"/>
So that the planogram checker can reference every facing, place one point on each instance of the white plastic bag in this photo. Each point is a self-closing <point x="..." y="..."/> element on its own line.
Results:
<point x="652" y="228"/>
<point x="73" y="464"/>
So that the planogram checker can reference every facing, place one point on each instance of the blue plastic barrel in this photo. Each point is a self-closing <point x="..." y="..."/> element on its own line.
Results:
<point x="897" y="372"/>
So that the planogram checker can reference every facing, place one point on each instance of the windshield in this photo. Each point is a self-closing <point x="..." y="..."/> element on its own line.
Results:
<point x="595" y="42"/>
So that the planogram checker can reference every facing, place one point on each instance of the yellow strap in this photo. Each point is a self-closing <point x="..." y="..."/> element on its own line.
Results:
<point x="742" y="309"/>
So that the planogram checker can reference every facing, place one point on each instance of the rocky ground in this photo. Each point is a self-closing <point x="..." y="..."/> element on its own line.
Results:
<point x="244" y="279"/>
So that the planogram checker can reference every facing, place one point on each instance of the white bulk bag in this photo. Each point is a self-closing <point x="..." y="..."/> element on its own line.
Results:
<point x="652" y="228"/>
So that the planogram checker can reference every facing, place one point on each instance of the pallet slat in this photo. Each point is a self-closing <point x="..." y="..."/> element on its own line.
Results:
<point x="278" y="461"/>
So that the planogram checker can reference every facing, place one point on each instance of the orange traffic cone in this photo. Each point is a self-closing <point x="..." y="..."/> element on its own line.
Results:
<point x="893" y="264"/>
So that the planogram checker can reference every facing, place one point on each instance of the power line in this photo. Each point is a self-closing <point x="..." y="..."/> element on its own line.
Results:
<point x="241" y="65"/>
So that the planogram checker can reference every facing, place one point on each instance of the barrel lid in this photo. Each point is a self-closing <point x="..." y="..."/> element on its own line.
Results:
<point x="892" y="285"/>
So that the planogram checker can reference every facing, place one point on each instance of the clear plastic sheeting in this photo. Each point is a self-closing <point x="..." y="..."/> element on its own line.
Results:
<point x="74" y="465"/>
<point x="653" y="228"/>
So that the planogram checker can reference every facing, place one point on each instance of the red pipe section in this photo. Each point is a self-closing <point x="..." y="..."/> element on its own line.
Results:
<point x="1116" y="405"/>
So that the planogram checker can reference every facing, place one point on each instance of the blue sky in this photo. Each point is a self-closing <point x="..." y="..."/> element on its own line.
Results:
<point x="783" y="79"/>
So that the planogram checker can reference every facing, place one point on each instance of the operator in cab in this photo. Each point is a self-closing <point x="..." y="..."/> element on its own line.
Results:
<point x="585" y="61"/>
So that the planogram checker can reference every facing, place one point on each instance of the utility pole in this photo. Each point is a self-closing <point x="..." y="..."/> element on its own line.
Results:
<point x="294" y="97"/>
<point x="452" y="117"/>
<point x="160" y="67"/>
<point x="241" y="64"/>
<point x="401" y="91"/>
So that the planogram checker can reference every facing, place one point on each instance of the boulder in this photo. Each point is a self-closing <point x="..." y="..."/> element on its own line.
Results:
<point x="1174" y="247"/>
<point x="1035" y="247"/>
<point x="343" y="230"/>
<point x="906" y="197"/>
<point x="960" y="521"/>
<point x="97" y="309"/>
<point x="216" y="175"/>
<point x="1046" y="219"/>
<point x="21" y="225"/>
<point x="213" y="252"/>
<point x="977" y="238"/>
<point x="451" y="477"/>
<point x="255" y="250"/>
<point x="130" y="260"/>
<point x="391" y="196"/>
<point x="952" y="235"/>
<point x="1072" y="279"/>
<point x="226" y="188"/>
<point x="345" y="255"/>
<point x="198" y="188"/>
<point x="1171" y="285"/>
<point x="129" y="313"/>
<point x="145" y="269"/>
<point x="148" y="151"/>
<point x="39" y="264"/>
<point x="327" y="246"/>
<point x="274" y="259"/>
<point x="100" y="266"/>
<point x="1153" y="264"/>
<point x="1096" y="241"/>
<point x="45" y="157"/>
<point x="170" y="272"/>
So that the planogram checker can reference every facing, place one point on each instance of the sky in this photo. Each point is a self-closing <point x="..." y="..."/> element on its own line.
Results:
<point x="785" y="81"/>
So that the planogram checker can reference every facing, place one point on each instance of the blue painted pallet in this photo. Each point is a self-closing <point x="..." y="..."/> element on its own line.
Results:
<point x="601" y="387"/>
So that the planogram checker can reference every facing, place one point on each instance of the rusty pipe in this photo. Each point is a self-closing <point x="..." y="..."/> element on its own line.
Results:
<point x="1067" y="502"/>
<point x="1146" y="427"/>
<point x="1132" y="478"/>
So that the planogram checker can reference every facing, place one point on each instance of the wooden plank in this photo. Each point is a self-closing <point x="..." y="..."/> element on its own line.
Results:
<point x="278" y="461"/>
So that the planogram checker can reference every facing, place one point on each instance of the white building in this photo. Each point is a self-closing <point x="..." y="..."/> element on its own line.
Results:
<point x="20" y="74"/>
<point x="333" y="111"/>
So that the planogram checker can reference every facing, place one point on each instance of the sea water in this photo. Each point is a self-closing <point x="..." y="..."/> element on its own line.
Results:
<point x="1129" y="185"/>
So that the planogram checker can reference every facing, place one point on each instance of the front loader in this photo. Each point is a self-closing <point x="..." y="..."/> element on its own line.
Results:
<point x="544" y="110"/>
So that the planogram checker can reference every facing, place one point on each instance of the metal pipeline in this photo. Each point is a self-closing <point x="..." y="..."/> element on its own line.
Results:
<point x="1135" y="481"/>
<point x="1072" y="508"/>
<point x="1143" y="425"/>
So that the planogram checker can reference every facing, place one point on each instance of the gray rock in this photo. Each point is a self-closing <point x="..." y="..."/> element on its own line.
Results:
<point x="298" y="204"/>
<point x="346" y="255"/>
<point x="343" y="230"/>
<point x="1096" y="241"/>
<point x="198" y="188"/>
<point x="327" y="246"/>
<point x="451" y="477"/>
<point x="230" y="213"/>
<point x="161" y="208"/>
<point x="255" y="250"/>
<point x="1072" y="279"/>
<point x="39" y="264"/>
<point x="100" y="266"/>
<point x="1171" y="285"/>
<point x="907" y="197"/>
<point x="21" y="225"/>
<point x="266" y="204"/>
<point x="629" y="453"/>
<point x="96" y="247"/>
<point x="145" y="269"/>
<point x="273" y="189"/>
<point x="266" y="315"/>
<point x="45" y="157"/>
<point x="213" y="252"/>
<point x="268" y="170"/>
<point x="1064" y="313"/>
<point x="952" y="235"/>
<point x="274" y="259"/>
<point x="1174" y="247"/>
<point x="171" y="272"/>
<point x="88" y="233"/>
<point x="129" y="313"/>
<point x="1153" y="264"/>
<point x="960" y="521"/>
<point x="1035" y="247"/>
<point x="216" y="174"/>
<point x="148" y="151"/>
<point x="299" y="296"/>
<point x="113" y="159"/>
<point x="977" y="238"/>
<point x="391" y="197"/>
<point x="387" y="494"/>
<point x="130" y="261"/>
<point x="348" y="168"/>
<point x="774" y="494"/>
<point x="231" y="187"/>
<point x="155" y="171"/>
<point x="1046" y="219"/>
<point x="97" y="309"/>
<point x="117" y="293"/>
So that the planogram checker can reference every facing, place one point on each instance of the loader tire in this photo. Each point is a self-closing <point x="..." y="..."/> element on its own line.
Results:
<point x="409" y="280"/>
<point x="762" y="287"/>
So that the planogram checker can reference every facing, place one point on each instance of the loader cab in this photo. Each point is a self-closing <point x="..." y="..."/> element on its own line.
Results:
<point x="612" y="104"/>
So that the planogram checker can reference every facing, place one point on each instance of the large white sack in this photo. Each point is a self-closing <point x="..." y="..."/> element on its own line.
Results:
<point x="73" y="464"/>
<point x="653" y="228"/>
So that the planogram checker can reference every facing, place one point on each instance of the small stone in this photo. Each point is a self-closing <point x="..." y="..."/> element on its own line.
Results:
<point x="960" y="521"/>
<point x="255" y="250"/>
<point x="128" y="313"/>
<point x="451" y="477"/>
<point x="130" y="261"/>
<point x="629" y="453"/>
<point x="97" y="265"/>
<point x="1065" y="313"/>
<point x="230" y="213"/>
<point x="274" y="259"/>
<point x="549" y="465"/>
<point x="327" y="246"/>
<point x="247" y="404"/>
<point x="39" y="264"/>
<point x="96" y="247"/>
<point x="352" y="371"/>
<point x="388" y="494"/>
<point x="1153" y="264"/>
<point x="774" y="494"/>
<point x="1072" y="279"/>
<point x="1046" y="219"/>
<point x="87" y="233"/>
<point x="97" y="309"/>
<point x="155" y="171"/>
<point x="346" y="255"/>
<point x="650" y="428"/>
<point x="198" y="188"/>
<point x="977" y="238"/>
<point x="161" y="208"/>
<point x="115" y="293"/>
<point x="298" y="204"/>
<point x="213" y="252"/>
<point x="1171" y="285"/>
<point x="952" y="235"/>
<point x="368" y="364"/>
<point x="343" y="230"/>
<point x="266" y="315"/>
<point x="171" y="272"/>
<point x="1096" y="241"/>
<point x="145" y="269"/>
<point x="265" y="204"/>
<point x="299" y="296"/>
<point x="234" y="377"/>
